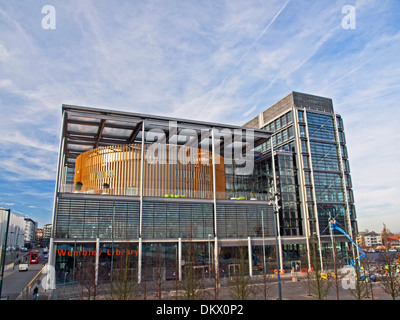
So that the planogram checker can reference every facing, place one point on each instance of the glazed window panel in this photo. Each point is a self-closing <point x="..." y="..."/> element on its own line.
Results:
<point x="95" y="218"/>
<point x="283" y="121"/>
<point x="244" y="221"/>
<point x="277" y="124"/>
<point x="289" y="117"/>
<point x="320" y="126"/>
<point x="301" y="116"/>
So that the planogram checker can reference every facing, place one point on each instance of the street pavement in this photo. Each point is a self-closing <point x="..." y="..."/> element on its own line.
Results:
<point x="291" y="290"/>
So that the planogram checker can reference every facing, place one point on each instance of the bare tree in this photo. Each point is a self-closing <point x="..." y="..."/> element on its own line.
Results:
<point x="240" y="283"/>
<point x="86" y="275"/>
<point x="158" y="274"/>
<point x="368" y="276"/>
<point x="192" y="284"/>
<point x="388" y="268"/>
<point x="124" y="278"/>
<point x="319" y="284"/>
<point x="360" y="286"/>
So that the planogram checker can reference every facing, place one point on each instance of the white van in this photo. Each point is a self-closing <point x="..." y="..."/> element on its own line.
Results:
<point x="23" y="267"/>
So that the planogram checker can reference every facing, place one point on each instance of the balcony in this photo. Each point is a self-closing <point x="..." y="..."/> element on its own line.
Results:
<point x="165" y="193"/>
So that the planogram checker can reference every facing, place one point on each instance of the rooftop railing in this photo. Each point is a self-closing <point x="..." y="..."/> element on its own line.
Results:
<point x="166" y="193"/>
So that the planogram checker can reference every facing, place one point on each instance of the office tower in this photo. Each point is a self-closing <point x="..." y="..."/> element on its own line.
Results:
<point x="308" y="127"/>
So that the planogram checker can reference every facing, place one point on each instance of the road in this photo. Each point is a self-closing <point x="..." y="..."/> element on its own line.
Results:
<point x="15" y="281"/>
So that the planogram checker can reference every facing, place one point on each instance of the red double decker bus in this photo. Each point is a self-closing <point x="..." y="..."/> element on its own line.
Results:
<point x="34" y="257"/>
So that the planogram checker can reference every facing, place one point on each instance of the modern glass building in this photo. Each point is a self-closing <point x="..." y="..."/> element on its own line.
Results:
<point x="307" y="127"/>
<point x="164" y="193"/>
<point x="156" y="188"/>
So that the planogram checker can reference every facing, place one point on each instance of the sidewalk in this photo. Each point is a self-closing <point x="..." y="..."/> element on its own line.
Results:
<point x="291" y="290"/>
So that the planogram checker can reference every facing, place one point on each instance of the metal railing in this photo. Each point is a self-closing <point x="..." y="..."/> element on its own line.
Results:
<point x="166" y="193"/>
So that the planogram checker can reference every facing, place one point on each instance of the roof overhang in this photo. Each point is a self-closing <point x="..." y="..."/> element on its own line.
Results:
<point x="86" y="128"/>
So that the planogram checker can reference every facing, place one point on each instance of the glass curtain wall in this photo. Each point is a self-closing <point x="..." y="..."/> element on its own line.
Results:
<point x="326" y="170"/>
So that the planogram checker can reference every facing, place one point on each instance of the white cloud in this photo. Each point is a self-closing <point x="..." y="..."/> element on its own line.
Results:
<point x="214" y="61"/>
<point x="3" y="52"/>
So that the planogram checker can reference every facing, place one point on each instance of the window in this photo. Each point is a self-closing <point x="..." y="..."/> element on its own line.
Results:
<point x="274" y="141"/>
<point x="272" y="126"/>
<point x="309" y="194"/>
<point x="304" y="146"/>
<point x="339" y="123"/>
<point x="307" y="177"/>
<point x="277" y="124"/>
<point x="244" y="220"/>
<point x="301" y="116"/>
<point x="279" y="138"/>
<point x="302" y="131"/>
<point x="311" y="214"/>
<point x="284" y="135"/>
<point x="290" y="132"/>
<point x="305" y="162"/>
<point x="289" y="117"/>
<point x="320" y="126"/>
<point x="348" y="181"/>
<point x="344" y="151"/>
<point x="324" y="156"/>
<point x="283" y="120"/>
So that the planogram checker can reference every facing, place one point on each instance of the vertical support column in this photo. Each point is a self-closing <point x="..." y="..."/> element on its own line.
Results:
<point x="214" y="181"/>
<point x="250" y="257"/>
<point x="216" y="269"/>
<point x="141" y="205"/>
<point x="313" y="189"/>
<point x="342" y="174"/>
<point x="140" y="260"/>
<point x="52" y="256"/>
<point x="300" y="175"/>
<point x="276" y="209"/>
<point x="344" y="188"/>
<point x="216" y="266"/>
<point x="141" y="179"/>
<point x="180" y="259"/>
<point x="51" y="274"/>
<point x="59" y="172"/>
<point x="97" y="260"/>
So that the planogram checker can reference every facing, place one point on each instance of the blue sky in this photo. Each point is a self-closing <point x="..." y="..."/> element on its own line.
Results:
<point x="220" y="61"/>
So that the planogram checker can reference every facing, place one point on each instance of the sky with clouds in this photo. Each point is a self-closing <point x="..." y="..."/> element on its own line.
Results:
<point x="213" y="60"/>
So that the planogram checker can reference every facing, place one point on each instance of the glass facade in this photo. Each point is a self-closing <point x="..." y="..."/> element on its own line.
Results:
<point x="206" y="211"/>
<point x="327" y="156"/>
<point x="111" y="219"/>
<point x="310" y="129"/>
<point x="91" y="219"/>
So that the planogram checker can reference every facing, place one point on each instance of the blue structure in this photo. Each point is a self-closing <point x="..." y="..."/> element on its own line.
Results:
<point x="334" y="225"/>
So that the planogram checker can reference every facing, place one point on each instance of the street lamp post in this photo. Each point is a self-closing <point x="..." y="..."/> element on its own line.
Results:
<point x="3" y="253"/>
<point x="276" y="211"/>
<point x="264" y="262"/>
<point x="209" y="257"/>
<point x="274" y="201"/>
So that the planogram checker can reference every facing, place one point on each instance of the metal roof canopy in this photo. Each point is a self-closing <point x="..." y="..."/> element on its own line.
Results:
<point x="87" y="128"/>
